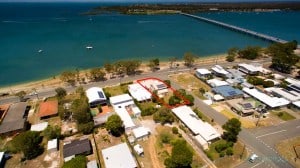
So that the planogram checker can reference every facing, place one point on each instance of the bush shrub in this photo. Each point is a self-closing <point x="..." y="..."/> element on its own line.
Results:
<point x="280" y="114"/>
<point x="222" y="154"/>
<point x="220" y="147"/>
<point x="165" y="138"/>
<point x="229" y="151"/>
<point x="229" y="144"/>
<point x="174" y="130"/>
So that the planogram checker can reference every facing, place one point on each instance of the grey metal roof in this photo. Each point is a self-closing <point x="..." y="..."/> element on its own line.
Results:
<point x="76" y="147"/>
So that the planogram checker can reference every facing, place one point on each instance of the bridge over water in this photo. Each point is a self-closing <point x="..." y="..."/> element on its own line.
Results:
<point x="239" y="29"/>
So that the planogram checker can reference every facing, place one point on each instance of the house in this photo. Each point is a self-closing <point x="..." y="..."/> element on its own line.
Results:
<point x="139" y="149"/>
<point x="242" y="107"/>
<point x="203" y="73"/>
<point x="15" y="119"/>
<point x="294" y="84"/>
<point x="92" y="164"/>
<point x="280" y="92"/>
<point x="247" y="85"/>
<point x="216" y="82"/>
<point x="228" y="92"/>
<point x="48" y="109"/>
<point x="271" y="102"/>
<point x="52" y="145"/>
<point x="77" y="147"/>
<point x="139" y="93"/>
<point x="157" y="86"/>
<point x="125" y="107"/>
<point x="141" y="133"/>
<point x="39" y="127"/>
<point x="235" y="77"/>
<point x="253" y="69"/>
<point x="219" y="71"/>
<point x="96" y="96"/>
<point x="187" y="116"/>
<point x="118" y="156"/>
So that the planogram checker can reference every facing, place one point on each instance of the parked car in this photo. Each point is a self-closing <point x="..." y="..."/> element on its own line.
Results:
<point x="252" y="158"/>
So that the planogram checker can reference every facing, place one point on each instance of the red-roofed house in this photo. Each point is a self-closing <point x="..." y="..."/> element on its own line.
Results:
<point x="48" y="109"/>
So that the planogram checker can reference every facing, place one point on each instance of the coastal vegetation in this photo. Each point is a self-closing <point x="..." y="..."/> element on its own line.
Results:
<point x="193" y="7"/>
<point x="189" y="59"/>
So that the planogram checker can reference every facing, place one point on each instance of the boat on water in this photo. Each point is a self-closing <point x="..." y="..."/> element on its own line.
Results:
<point x="89" y="47"/>
<point x="40" y="51"/>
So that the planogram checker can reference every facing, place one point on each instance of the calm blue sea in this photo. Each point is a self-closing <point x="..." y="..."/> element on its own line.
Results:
<point x="63" y="34"/>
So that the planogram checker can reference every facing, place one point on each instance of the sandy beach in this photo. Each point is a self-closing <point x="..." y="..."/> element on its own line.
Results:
<point x="55" y="82"/>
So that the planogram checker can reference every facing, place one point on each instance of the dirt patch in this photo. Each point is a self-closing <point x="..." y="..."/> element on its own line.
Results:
<point x="286" y="150"/>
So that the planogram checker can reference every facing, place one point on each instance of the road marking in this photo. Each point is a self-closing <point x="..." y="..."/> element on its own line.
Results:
<point x="270" y="133"/>
<point x="257" y="164"/>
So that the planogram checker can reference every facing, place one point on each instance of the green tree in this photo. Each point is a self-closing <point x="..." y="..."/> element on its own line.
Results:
<point x="78" y="162"/>
<point x="151" y="65"/>
<point x="21" y="95"/>
<point x="232" y="128"/>
<point x="69" y="77"/>
<point x="52" y="132"/>
<point x="283" y="57"/>
<point x="148" y="111"/>
<point x="249" y="52"/>
<point x="181" y="156"/>
<point x="80" y="91"/>
<point x="86" y="128"/>
<point x="81" y="110"/>
<point x="60" y="92"/>
<point x="119" y="68"/>
<point x="191" y="99"/>
<point x="267" y="84"/>
<point x="114" y="124"/>
<point x="97" y="74"/>
<point x="231" y="54"/>
<point x="189" y="59"/>
<point x="29" y="143"/>
<point x="163" y="115"/>
<point x="173" y="100"/>
<point x="131" y="66"/>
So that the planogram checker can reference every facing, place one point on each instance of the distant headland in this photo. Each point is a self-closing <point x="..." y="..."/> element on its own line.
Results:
<point x="194" y="8"/>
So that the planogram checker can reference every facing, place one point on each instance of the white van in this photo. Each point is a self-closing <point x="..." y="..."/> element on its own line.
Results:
<point x="252" y="158"/>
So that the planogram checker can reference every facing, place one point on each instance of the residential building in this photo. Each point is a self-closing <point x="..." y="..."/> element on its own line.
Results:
<point x="217" y="82"/>
<point x="118" y="156"/>
<point x="141" y="133"/>
<point x="228" y="92"/>
<point x="15" y="119"/>
<point x="271" y="102"/>
<point x="203" y="73"/>
<point x="96" y="96"/>
<point x="77" y="147"/>
<point x="253" y="69"/>
<point x="290" y="95"/>
<point x="48" y="109"/>
<point x="219" y="71"/>
<point x="242" y="107"/>
<point x="139" y="93"/>
<point x="155" y="85"/>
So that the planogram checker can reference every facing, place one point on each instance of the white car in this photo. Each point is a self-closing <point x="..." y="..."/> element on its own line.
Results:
<point x="252" y="158"/>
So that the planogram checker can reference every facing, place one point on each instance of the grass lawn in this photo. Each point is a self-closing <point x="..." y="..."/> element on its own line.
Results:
<point x="187" y="80"/>
<point x="116" y="90"/>
<point x="239" y="154"/>
<point x="286" y="150"/>
<point x="245" y="123"/>
<point x="283" y="115"/>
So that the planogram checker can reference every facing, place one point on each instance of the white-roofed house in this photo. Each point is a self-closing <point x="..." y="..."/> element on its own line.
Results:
<point x="39" y="127"/>
<point x="271" y="102"/>
<point x="248" y="69"/>
<point x="189" y="118"/>
<point x="217" y="82"/>
<point x="280" y="92"/>
<point x="118" y="156"/>
<point x="96" y="96"/>
<point x="138" y="149"/>
<point x="203" y="73"/>
<point x="52" y="145"/>
<point x="219" y="71"/>
<point x="156" y="86"/>
<point x="139" y="93"/>
<point x="125" y="107"/>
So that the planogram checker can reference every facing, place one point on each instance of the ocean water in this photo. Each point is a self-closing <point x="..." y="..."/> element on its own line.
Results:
<point x="63" y="34"/>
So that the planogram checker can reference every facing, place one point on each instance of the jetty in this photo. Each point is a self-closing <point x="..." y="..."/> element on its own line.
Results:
<point x="238" y="29"/>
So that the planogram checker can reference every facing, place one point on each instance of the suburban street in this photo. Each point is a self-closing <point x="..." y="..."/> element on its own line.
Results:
<point x="259" y="140"/>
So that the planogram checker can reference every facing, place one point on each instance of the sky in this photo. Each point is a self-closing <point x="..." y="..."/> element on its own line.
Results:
<point x="140" y="0"/>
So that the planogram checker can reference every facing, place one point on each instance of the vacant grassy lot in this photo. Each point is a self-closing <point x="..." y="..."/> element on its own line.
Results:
<point x="283" y="115"/>
<point x="239" y="154"/>
<point x="286" y="150"/>
<point x="246" y="123"/>
<point x="117" y="90"/>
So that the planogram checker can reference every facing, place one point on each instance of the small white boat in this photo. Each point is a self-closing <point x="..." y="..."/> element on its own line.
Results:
<point x="40" y="51"/>
<point x="89" y="47"/>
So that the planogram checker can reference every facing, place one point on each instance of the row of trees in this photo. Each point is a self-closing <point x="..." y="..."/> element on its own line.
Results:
<point x="250" y="53"/>
<point x="259" y="81"/>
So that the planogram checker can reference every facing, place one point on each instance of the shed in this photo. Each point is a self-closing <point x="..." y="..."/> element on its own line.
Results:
<point x="48" y="109"/>
<point x="138" y="149"/>
<point x="96" y="96"/>
<point x="52" y="145"/>
<point x="228" y="92"/>
<point x="118" y="156"/>
<point x="39" y="127"/>
<point x="141" y="133"/>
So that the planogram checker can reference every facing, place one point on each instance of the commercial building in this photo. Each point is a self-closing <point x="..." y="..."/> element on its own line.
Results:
<point x="118" y="156"/>
<point x="196" y="125"/>
<point x="96" y="96"/>
<point x="271" y="102"/>
<point x="139" y="93"/>
<point x="15" y="119"/>
<point x="228" y="92"/>
<point x="48" y="109"/>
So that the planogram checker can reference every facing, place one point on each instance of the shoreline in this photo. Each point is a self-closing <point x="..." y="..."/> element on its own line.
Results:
<point x="51" y="82"/>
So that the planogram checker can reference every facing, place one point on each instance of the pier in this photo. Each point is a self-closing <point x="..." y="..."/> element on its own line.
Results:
<point x="239" y="29"/>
